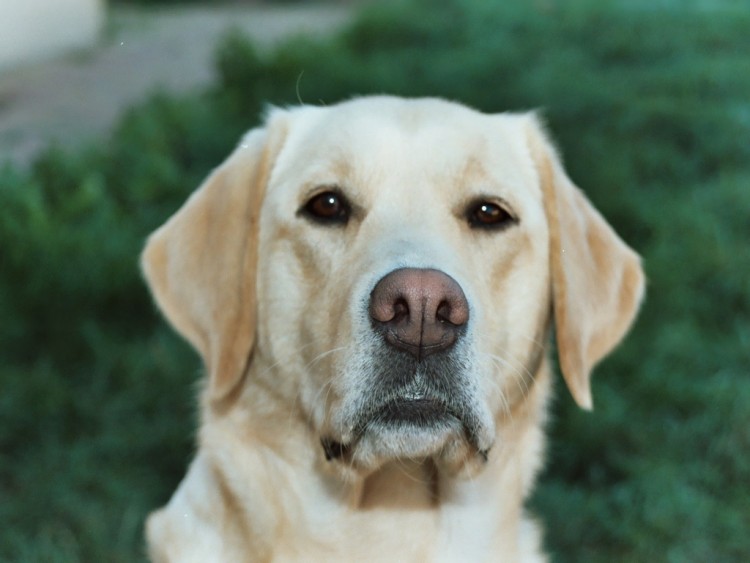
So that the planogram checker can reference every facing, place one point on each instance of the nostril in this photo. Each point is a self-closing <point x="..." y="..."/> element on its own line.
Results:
<point x="387" y="310"/>
<point x="443" y="313"/>
<point x="400" y="310"/>
<point x="453" y="310"/>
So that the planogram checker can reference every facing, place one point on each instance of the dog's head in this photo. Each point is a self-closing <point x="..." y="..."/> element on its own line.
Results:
<point x="393" y="266"/>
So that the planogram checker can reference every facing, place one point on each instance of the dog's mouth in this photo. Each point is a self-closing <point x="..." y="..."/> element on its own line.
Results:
<point x="417" y="411"/>
<point x="413" y="421"/>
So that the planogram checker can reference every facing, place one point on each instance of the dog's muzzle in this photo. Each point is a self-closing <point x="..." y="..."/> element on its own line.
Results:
<point x="418" y="379"/>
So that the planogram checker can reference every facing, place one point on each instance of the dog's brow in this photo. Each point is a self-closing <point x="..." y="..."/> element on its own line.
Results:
<point x="473" y="171"/>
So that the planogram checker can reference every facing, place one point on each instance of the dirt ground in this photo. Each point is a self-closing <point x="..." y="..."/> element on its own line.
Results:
<point x="77" y="98"/>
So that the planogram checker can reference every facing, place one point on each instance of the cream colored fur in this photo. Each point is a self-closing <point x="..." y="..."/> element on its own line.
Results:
<point x="276" y="306"/>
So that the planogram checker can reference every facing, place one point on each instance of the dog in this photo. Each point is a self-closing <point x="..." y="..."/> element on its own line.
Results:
<point x="372" y="287"/>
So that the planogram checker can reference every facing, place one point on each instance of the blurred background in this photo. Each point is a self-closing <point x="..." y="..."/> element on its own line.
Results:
<point x="111" y="113"/>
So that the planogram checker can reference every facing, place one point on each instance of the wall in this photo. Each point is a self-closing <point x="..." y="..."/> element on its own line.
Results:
<point x="36" y="29"/>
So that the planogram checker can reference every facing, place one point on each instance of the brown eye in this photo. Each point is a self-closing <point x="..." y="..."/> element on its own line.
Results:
<point x="328" y="208"/>
<point x="488" y="215"/>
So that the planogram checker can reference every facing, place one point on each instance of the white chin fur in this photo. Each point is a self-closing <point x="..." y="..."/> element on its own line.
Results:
<point x="446" y="444"/>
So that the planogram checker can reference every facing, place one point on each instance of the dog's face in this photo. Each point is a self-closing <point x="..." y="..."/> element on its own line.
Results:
<point x="395" y="263"/>
<point x="405" y="275"/>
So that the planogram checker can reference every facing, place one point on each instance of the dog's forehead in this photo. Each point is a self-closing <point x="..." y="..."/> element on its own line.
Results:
<point x="431" y="140"/>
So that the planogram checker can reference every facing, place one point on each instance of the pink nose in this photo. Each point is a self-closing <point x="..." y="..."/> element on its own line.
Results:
<point x="420" y="311"/>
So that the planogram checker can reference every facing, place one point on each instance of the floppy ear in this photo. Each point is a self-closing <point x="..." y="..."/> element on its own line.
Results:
<point x="201" y="264"/>
<point x="597" y="280"/>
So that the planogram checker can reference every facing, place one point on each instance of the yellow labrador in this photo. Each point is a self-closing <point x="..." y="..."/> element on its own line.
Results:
<point x="371" y="287"/>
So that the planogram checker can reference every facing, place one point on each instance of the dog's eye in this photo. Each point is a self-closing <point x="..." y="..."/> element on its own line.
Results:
<point x="489" y="215"/>
<point x="328" y="207"/>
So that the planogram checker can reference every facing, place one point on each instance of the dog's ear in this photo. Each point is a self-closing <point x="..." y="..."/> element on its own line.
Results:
<point x="597" y="280"/>
<point x="201" y="264"/>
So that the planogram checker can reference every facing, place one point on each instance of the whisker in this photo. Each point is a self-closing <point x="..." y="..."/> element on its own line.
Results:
<point x="401" y="465"/>
<point x="324" y="354"/>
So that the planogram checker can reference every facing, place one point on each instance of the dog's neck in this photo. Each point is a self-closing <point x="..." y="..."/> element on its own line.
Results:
<point x="289" y="491"/>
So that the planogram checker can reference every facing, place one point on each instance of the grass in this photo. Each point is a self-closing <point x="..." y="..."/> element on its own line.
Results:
<point x="650" y="103"/>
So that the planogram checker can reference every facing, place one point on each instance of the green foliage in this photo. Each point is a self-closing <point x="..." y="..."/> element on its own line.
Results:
<point x="86" y="441"/>
<point x="649" y="102"/>
<point x="159" y="3"/>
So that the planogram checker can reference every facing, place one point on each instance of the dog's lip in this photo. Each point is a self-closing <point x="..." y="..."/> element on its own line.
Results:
<point x="413" y="408"/>
<point x="451" y="418"/>
<point x="410" y="409"/>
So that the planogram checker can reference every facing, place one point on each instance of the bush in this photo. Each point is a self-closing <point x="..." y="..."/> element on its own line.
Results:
<point x="650" y="106"/>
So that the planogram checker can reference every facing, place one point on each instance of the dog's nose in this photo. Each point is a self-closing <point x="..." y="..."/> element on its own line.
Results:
<point x="420" y="311"/>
